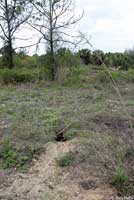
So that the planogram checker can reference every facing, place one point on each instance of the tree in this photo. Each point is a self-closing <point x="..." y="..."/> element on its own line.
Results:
<point x="13" y="13"/>
<point x="53" y="17"/>
<point x="86" y="56"/>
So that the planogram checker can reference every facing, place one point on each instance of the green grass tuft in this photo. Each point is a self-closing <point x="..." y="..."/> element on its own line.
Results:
<point x="66" y="160"/>
<point x="120" y="180"/>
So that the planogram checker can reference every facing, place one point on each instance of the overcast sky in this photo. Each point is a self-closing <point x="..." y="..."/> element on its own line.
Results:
<point x="108" y="22"/>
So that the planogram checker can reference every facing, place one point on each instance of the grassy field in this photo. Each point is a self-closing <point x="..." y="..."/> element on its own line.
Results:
<point x="30" y="115"/>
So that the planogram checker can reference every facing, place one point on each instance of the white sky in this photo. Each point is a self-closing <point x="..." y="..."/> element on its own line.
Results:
<point x="108" y="22"/>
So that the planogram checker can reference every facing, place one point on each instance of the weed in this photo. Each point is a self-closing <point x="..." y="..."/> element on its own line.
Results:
<point x="66" y="160"/>
<point x="120" y="180"/>
<point x="129" y="153"/>
<point x="103" y="77"/>
<point x="12" y="158"/>
<point x="23" y="75"/>
<point x="70" y="135"/>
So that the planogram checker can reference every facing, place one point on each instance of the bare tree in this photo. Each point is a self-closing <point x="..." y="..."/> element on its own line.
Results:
<point x="51" y="19"/>
<point x="13" y="13"/>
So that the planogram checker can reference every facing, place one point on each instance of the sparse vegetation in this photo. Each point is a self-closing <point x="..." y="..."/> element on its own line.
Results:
<point x="30" y="114"/>
<point x="13" y="158"/>
<point x="67" y="111"/>
<point x="120" y="180"/>
<point x="66" y="160"/>
<point x="17" y="76"/>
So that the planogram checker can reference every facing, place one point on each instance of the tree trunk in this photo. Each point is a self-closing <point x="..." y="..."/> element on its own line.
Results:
<point x="10" y="50"/>
<point x="10" y="55"/>
<point x="52" y="60"/>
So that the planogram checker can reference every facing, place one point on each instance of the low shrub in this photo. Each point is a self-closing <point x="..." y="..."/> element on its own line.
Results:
<point x="130" y="75"/>
<point x="19" y="75"/>
<point x="66" y="160"/>
<point x="115" y="75"/>
<point x="12" y="158"/>
<point x="76" y="77"/>
<point x="25" y="61"/>
<point x="120" y="180"/>
<point x="103" y="77"/>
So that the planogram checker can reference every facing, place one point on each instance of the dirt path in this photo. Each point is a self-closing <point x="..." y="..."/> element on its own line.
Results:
<point x="46" y="181"/>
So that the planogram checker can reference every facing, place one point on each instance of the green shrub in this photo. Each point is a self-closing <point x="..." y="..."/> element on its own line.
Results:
<point x="130" y="75"/>
<point x="19" y="75"/>
<point x="70" y="135"/>
<point x="120" y="180"/>
<point x="24" y="61"/>
<point x="103" y="77"/>
<point x="65" y="58"/>
<point x="11" y="158"/>
<point x="75" y="76"/>
<point x="66" y="160"/>
<point x="115" y="75"/>
<point x="8" y="157"/>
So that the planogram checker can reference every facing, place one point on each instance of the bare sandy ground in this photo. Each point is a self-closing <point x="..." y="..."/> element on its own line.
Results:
<point x="46" y="181"/>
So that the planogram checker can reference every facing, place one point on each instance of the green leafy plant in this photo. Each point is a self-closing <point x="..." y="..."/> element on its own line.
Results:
<point x="19" y="75"/>
<point x="11" y="158"/>
<point x="66" y="160"/>
<point x="120" y="179"/>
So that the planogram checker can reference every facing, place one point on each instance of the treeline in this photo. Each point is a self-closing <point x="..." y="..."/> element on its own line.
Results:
<point x="37" y="67"/>
<point x="51" y="24"/>
<point x="70" y="66"/>
<point x="49" y="18"/>
<point x="64" y="57"/>
<point x="122" y="61"/>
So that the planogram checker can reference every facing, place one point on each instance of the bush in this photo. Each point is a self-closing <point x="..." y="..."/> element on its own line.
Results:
<point x="76" y="77"/>
<point x="11" y="158"/>
<point x="120" y="180"/>
<point x="115" y="75"/>
<point x="65" y="58"/>
<point x="66" y="160"/>
<point x="19" y="75"/>
<point x="24" y="61"/>
<point x="130" y="75"/>
<point x="103" y="77"/>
